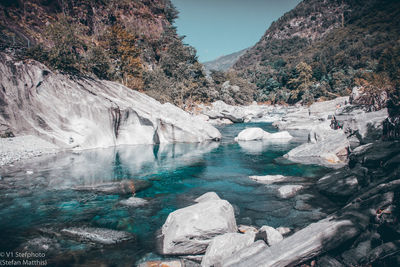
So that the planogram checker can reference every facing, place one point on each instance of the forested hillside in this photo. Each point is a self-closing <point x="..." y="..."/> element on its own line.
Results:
<point x="132" y="42"/>
<point x="323" y="49"/>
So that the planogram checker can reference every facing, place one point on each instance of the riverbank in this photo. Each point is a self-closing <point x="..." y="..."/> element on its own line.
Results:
<point x="14" y="149"/>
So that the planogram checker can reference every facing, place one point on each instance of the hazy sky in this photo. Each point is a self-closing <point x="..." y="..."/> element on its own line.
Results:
<point x="221" y="27"/>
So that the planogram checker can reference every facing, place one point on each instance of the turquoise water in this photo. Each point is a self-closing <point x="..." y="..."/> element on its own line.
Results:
<point x="45" y="200"/>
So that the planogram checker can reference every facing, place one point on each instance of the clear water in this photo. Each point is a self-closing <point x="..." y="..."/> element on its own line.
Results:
<point x="46" y="199"/>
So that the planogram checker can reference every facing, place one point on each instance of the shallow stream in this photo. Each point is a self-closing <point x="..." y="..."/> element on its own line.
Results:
<point x="38" y="197"/>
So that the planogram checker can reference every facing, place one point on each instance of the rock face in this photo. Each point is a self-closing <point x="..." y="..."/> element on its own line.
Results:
<point x="338" y="185"/>
<point x="89" y="113"/>
<point x="253" y="134"/>
<point x="188" y="231"/>
<point x="223" y="246"/>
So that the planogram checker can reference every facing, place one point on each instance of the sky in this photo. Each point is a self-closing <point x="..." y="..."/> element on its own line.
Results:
<point x="221" y="27"/>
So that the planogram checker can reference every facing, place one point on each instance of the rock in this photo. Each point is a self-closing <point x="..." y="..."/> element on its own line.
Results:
<point x="124" y="187"/>
<point x="353" y="256"/>
<point x="288" y="191"/>
<point x="245" y="252"/>
<point x="367" y="126"/>
<point x="268" y="179"/>
<point x="89" y="112"/>
<point x="188" y="231"/>
<point x="247" y="229"/>
<point x="207" y="197"/>
<point x="253" y="134"/>
<point x="339" y="185"/>
<point x="134" y="202"/>
<point x="303" y="245"/>
<point x="269" y="235"/>
<point x="325" y="108"/>
<point x="41" y="244"/>
<point x="302" y="206"/>
<point x="166" y="263"/>
<point x="224" y="246"/>
<point x="98" y="235"/>
<point x="327" y="261"/>
<point x="5" y="131"/>
<point x="331" y="150"/>
<point x="382" y="251"/>
<point x="283" y="230"/>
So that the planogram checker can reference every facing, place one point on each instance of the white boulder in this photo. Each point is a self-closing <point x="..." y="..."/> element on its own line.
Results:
<point x="188" y="231"/>
<point x="268" y="179"/>
<point x="255" y="133"/>
<point x="207" y="197"/>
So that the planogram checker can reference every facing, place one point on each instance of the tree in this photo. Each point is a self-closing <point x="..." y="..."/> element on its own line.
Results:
<point x="301" y="82"/>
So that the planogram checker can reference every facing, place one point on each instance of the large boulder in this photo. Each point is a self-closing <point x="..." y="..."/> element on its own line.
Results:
<point x="329" y="148"/>
<point x="366" y="126"/>
<point x="189" y="231"/>
<point x="84" y="113"/>
<point x="223" y="246"/>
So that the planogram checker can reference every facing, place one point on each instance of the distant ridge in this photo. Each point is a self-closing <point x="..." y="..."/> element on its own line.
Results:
<point x="223" y="63"/>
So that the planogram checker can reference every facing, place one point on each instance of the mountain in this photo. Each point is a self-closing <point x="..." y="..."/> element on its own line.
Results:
<point x="223" y="63"/>
<point x="324" y="49"/>
<point x="132" y="42"/>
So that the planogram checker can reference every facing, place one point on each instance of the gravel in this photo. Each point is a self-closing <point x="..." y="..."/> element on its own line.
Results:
<point x="24" y="147"/>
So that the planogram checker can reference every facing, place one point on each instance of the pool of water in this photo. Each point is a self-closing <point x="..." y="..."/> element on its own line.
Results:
<point x="38" y="197"/>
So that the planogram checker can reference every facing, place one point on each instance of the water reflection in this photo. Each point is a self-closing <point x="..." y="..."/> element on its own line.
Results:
<point x="260" y="146"/>
<point x="68" y="170"/>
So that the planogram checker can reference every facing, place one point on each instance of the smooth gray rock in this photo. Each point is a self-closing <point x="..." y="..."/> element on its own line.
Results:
<point x="270" y="235"/>
<point x="304" y="244"/>
<point x="327" y="261"/>
<point x="353" y="256"/>
<point x="207" y="197"/>
<point x="245" y="252"/>
<point x="84" y="113"/>
<point x="98" y="235"/>
<point x="367" y="126"/>
<point x="268" y="179"/>
<point x="330" y="150"/>
<point x="338" y="185"/>
<point x="288" y="191"/>
<point x="188" y="231"/>
<point x="225" y="245"/>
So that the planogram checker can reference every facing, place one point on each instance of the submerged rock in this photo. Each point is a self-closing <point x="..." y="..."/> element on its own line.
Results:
<point x="97" y="235"/>
<point x="123" y="187"/>
<point x="166" y="263"/>
<point x="188" y="231"/>
<point x="134" y="202"/>
<point x="268" y="179"/>
<point x="224" y="246"/>
<point x="288" y="191"/>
